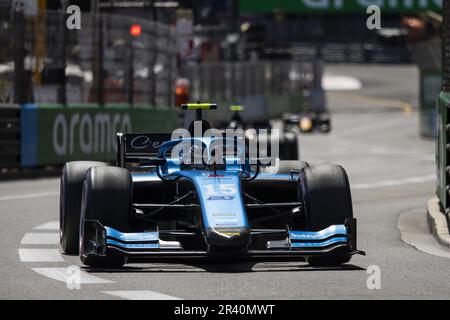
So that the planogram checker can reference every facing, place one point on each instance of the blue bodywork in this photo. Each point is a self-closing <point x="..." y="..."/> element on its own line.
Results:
<point x="329" y="236"/>
<point x="140" y="240"/>
<point x="297" y="240"/>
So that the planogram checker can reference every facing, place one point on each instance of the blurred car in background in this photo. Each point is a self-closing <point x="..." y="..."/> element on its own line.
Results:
<point x="308" y="122"/>
<point x="288" y="141"/>
<point x="313" y="115"/>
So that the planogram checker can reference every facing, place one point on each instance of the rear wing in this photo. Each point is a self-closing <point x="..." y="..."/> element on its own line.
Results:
<point x="131" y="146"/>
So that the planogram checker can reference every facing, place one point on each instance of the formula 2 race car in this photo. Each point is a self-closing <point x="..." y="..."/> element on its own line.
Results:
<point x="154" y="203"/>
<point x="308" y="122"/>
<point x="314" y="115"/>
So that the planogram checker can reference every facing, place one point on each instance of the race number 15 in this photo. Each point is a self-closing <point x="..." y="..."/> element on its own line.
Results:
<point x="220" y="189"/>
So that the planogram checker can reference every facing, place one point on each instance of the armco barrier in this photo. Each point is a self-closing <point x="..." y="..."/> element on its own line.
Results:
<point x="443" y="150"/>
<point x="54" y="134"/>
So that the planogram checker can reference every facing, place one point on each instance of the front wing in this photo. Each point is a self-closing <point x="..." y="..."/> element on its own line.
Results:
<point x="103" y="240"/>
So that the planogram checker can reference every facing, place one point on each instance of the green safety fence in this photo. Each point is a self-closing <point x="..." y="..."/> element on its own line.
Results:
<point x="443" y="120"/>
<point x="54" y="134"/>
<point x="442" y="149"/>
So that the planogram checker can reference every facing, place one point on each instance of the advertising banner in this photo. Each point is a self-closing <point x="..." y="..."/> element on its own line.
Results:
<point x="338" y="6"/>
<point x="53" y="134"/>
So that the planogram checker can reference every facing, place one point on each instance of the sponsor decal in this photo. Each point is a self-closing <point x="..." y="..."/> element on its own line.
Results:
<point x="142" y="142"/>
<point x="231" y="232"/>
<point x="310" y="236"/>
<point x="305" y="235"/>
<point x="219" y="198"/>
<point x="53" y="134"/>
<point x="145" y="143"/>
<point x="87" y="132"/>
<point x="225" y="225"/>
<point x="214" y="178"/>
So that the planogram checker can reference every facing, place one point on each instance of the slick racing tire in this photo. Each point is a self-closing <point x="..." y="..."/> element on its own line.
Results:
<point x="107" y="196"/>
<point x="71" y="188"/>
<point x="325" y="192"/>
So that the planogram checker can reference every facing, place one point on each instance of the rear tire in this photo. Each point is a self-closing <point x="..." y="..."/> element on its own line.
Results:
<point x="71" y="188"/>
<point x="107" y="196"/>
<point x="325" y="191"/>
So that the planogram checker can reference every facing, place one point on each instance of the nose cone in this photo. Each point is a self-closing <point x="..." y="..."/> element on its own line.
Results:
<point x="228" y="237"/>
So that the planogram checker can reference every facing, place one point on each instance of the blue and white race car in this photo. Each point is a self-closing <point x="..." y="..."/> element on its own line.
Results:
<point x="155" y="204"/>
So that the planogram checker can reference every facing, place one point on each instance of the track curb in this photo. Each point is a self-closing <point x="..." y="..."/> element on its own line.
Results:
<point x="437" y="222"/>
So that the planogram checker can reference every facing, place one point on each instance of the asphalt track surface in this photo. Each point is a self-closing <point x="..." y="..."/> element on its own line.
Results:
<point x="391" y="170"/>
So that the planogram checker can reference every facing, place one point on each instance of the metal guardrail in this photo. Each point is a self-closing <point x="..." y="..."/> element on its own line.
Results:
<point x="348" y="52"/>
<point x="228" y="80"/>
<point x="41" y="61"/>
<point x="267" y="89"/>
<point x="443" y="152"/>
<point x="9" y="136"/>
<point x="443" y="119"/>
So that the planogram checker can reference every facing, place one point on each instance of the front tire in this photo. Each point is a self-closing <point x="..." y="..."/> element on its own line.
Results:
<point x="325" y="191"/>
<point x="71" y="188"/>
<point x="107" y="196"/>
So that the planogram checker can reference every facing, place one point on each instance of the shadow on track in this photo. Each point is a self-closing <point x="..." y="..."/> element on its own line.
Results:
<point x="242" y="267"/>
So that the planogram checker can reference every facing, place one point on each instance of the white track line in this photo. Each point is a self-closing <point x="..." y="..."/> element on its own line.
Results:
<point x="40" y="238"/>
<point x="29" y="196"/>
<point x="141" y="295"/>
<point x="61" y="274"/>
<point x="391" y="183"/>
<point x="52" y="225"/>
<point x="40" y="255"/>
<point x="51" y="255"/>
<point x="332" y="82"/>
